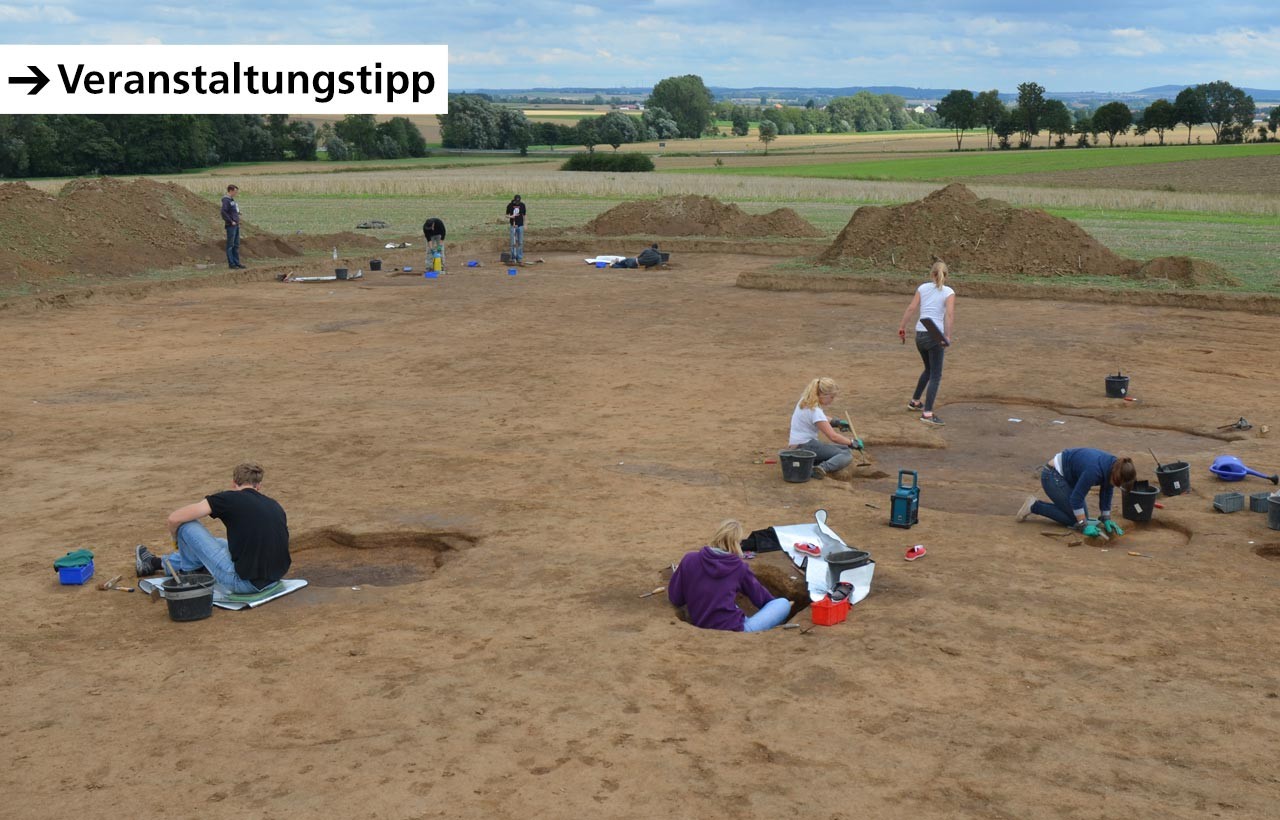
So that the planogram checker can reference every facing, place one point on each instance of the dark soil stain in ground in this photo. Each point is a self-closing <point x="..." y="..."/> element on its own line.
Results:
<point x="336" y="558"/>
<point x="1271" y="552"/>
<point x="991" y="464"/>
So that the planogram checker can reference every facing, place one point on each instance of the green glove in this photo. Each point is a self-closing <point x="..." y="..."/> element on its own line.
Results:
<point x="1091" y="529"/>
<point x="857" y="444"/>
<point x="1111" y="528"/>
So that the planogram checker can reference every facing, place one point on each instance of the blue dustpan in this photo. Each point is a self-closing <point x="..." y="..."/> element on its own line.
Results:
<point x="1230" y="468"/>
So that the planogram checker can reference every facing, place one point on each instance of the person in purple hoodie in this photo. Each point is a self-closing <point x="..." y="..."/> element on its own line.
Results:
<point x="708" y="581"/>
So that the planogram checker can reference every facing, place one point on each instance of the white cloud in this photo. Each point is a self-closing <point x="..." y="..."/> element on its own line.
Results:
<point x="1060" y="47"/>
<point x="1135" y="42"/>
<point x="37" y="14"/>
<point x="585" y="11"/>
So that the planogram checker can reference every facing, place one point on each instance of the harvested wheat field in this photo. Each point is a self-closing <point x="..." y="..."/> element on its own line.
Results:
<point x="484" y="474"/>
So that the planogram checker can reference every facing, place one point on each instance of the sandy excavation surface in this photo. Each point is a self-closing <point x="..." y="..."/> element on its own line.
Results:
<point x="484" y="472"/>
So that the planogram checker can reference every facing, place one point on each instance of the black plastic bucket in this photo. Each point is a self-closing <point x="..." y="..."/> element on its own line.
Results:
<point x="797" y="465"/>
<point x="375" y="264"/>
<point x="1174" y="477"/>
<point x="850" y="559"/>
<point x="1273" y="512"/>
<point x="190" y="599"/>
<point x="1117" y="386"/>
<point x="1139" y="503"/>
<point x="341" y="273"/>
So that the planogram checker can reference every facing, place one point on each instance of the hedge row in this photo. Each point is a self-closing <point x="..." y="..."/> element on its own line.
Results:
<point x="608" y="162"/>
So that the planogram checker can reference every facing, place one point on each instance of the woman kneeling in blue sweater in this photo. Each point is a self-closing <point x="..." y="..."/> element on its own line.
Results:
<point x="708" y="581"/>
<point x="1067" y="479"/>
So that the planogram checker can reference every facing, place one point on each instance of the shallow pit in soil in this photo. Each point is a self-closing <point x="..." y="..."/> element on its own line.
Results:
<point x="336" y="558"/>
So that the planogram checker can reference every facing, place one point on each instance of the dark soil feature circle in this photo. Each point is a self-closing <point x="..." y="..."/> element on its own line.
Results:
<point x="1269" y="551"/>
<point x="333" y="557"/>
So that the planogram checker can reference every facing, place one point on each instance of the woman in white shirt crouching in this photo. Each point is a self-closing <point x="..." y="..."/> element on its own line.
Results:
<point x="808" y="421"/>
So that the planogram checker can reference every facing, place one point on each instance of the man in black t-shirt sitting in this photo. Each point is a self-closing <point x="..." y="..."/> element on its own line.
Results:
<point x="255" y="553"/>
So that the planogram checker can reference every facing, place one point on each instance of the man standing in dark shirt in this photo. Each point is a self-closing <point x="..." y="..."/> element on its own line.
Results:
<point x="516" y="211"/>
<point x="231" y="220"/>
<point x="255" y="553"/>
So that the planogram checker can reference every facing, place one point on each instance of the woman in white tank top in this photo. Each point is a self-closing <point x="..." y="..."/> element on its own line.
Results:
<point x="936" y="303"/>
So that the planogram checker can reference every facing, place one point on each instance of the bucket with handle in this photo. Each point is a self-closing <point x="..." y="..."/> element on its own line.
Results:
<point x="1117" y="386"/>
<point x="797" y="465"/>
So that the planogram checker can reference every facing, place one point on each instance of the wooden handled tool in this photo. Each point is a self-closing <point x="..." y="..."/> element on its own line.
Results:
<point x="111" y="583"/>
<point x="863" y="462"/>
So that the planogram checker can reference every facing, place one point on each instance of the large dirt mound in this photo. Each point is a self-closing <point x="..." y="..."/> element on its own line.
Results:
<point x="976" y="235"/>
<point x="693" y="215"/>
<point x="108" y="227"/>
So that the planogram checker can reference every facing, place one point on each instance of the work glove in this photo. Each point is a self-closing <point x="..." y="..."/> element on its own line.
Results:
<point x="1090" y="529"/>
<point x="1111" y="528"/>
<point x="857" y="444"/>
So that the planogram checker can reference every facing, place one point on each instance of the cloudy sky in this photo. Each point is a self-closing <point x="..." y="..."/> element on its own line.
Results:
<point x="1086" y="45"/>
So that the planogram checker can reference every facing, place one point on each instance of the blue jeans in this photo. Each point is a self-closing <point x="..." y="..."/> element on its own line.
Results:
<point x="830" y="457"/>
<point x="769" y="616"/>
<point x="233" y="246"/>
<point x="517" y="243"/>
<point x="198" y="548"/>
<point x="931" y="354"/>
<point x="1058" y="507"/>
<point x="434" y="245"/>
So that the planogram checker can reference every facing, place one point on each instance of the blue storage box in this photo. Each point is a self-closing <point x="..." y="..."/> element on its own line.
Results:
<point x="75" y="575"/>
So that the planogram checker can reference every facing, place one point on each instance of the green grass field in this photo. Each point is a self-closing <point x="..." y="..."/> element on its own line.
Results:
<point x="987" y="163"/>
<point x="1245" y="245"/>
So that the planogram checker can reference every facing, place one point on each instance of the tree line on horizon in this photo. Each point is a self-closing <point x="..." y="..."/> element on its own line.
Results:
<point x="677" y="107"/>
<point x="1228" y="110"/>
<point x="57" y="145"/>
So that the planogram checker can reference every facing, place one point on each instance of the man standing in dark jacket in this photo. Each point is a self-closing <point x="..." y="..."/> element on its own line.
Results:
<point x="231" y="219"/>
<point x="516" y="212"/>
<point x="255" y="553"/>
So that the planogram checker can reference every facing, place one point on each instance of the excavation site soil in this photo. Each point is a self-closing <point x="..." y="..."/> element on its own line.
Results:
<point x="485" y="474"/>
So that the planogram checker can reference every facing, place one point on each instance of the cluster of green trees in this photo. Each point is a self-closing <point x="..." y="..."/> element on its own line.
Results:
<point x="42" y="145"/>
<point x="475" y="122"/>
<point x="1227" y="109"/>
<point x="862" y="111"/>
<point x="677" y="107"/>
<point x="361" y="136"/>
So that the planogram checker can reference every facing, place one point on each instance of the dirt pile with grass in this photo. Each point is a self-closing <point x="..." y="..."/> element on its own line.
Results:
<point x="1185" y="270"/>
<point x="693" y="215"/>
<point x="109" y="227"/>
<point x="973" y="235"/>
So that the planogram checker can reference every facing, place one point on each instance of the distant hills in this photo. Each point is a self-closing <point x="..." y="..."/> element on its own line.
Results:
<point x="795" y="94"/>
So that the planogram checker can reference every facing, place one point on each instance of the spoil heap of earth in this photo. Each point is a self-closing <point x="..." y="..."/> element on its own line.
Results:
<point x="993" y="237"/>
<point x="973" y="235"/>
<point x="693" y="215"/>
<point x="1184" y="270"/>
<point x="108" y="227"/>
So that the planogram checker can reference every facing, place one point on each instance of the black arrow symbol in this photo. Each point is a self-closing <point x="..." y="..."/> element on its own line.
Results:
<point x="37" y="81"/>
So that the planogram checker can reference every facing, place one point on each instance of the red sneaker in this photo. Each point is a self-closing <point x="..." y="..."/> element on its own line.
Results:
<point x="808" y="549"/>
<point x="915" y="552"/>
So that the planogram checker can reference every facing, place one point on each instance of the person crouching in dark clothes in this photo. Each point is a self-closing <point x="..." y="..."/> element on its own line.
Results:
<point x="1067" y="479"/>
